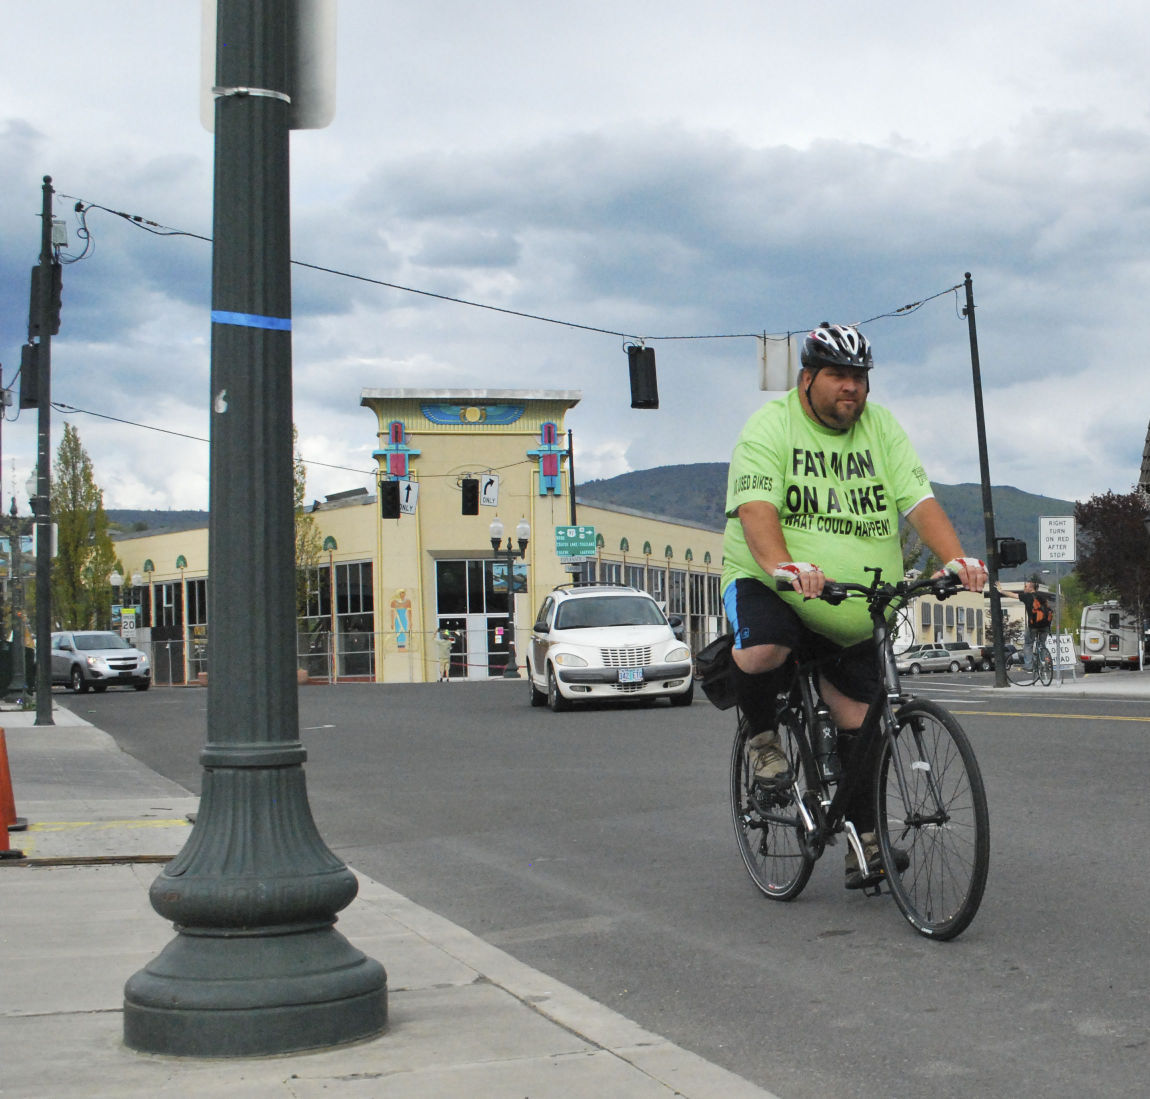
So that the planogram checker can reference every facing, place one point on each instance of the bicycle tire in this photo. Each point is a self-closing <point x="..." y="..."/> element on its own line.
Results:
<point x="1022" y="675"/>
<point x="1046" y="670"/>
<point x="941" y="889"/>
<point x="770" y="833"/>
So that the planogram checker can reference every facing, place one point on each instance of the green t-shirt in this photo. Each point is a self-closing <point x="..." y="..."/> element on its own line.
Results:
<point x="839" y="495"/>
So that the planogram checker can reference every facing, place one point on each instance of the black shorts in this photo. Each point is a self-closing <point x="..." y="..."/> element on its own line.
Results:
<point x="760" y="617"/>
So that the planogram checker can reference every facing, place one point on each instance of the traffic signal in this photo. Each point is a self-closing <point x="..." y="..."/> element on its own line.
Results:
<point x="470" y="495"/>
<point x="53" y="302"/>
<point x="1011" y="552"/>
<point x="389" y="499"/>
<point x="30" y="376"/>
<point x="644" y="386"/>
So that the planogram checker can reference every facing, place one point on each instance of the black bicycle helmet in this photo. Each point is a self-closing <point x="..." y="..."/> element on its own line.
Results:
<point x="836" y="345"/>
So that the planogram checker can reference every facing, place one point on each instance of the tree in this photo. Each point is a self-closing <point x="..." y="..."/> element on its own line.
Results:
<point x="308" y="544"/>
<point x="1114" y="548"/>
<point x="85" y="555"/>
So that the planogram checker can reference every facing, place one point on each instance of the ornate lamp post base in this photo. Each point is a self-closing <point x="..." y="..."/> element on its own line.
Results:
<point x="254" y="994"/>
<point x="257" y="967"/>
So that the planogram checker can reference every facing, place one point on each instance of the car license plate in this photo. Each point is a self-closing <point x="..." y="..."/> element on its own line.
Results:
<point x="630" y="675"/>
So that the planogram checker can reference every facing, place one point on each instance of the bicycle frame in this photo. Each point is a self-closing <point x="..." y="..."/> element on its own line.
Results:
<point x="931" y="822"/>
<point x="879" y="723"/>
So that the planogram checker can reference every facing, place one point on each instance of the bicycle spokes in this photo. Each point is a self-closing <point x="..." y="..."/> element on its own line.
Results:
<point x="932" y="808"/>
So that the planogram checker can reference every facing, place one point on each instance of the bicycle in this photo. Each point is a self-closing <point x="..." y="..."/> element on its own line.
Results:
<point x="1039" y="670"/>
<point x="929" y="795"/>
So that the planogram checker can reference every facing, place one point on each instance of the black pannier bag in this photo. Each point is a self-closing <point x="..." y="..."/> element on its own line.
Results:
<point x="713" y="670"/>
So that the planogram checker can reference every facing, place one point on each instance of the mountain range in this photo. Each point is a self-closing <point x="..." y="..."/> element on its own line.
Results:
<point x="697" y="493"/>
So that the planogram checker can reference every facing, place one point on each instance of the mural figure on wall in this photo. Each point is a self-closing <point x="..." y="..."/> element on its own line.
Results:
<point x="401" y="618"/>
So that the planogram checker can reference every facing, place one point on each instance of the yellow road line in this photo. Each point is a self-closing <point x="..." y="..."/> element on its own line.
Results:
<point x="1059" y="717"/>
<point x="73" y="825"/>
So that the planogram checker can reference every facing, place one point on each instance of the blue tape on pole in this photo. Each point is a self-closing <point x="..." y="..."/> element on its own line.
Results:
<point x="251" y="320"/>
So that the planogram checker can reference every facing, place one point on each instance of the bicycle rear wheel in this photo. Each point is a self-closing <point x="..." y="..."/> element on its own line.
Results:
<point x="932" y="805"/>
<point x="769" y="829"/>
<point x="1046" y="670"/>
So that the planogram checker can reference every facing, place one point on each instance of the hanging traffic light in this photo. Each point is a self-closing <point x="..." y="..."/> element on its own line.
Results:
<point x="470" y="486"/>
<point x="644" y="386"/>
<point x="389" y="499"/>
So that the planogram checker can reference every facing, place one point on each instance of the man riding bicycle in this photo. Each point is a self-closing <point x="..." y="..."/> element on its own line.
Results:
<point x="1038" y="618"/>
<point x="817" y="482"/>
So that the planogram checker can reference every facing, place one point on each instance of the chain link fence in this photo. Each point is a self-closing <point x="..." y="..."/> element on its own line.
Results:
<point x="414" y="657"/>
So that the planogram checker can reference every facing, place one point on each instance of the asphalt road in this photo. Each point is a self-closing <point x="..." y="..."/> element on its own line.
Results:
<point x="597" y="847"/>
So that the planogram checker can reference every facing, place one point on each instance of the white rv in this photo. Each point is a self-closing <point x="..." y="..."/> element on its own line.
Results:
<point x="1110" y="637"/>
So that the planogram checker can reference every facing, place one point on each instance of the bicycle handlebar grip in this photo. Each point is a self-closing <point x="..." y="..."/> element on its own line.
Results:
<point x="946" y="585"/>
<point x="833" y="593"/>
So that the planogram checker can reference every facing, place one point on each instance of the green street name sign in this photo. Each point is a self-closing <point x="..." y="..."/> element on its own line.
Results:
<point x="575" y="542"/>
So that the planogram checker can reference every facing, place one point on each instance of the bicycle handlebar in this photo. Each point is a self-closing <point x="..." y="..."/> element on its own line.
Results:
<point x="880" y="595"/>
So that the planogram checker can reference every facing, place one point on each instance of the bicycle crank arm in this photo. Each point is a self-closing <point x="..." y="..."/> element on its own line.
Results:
<point x="855" y="842"/>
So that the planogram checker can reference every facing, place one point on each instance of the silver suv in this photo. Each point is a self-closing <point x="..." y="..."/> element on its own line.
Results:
<point x="597" y="641"/>
<point x="98" y="659"/>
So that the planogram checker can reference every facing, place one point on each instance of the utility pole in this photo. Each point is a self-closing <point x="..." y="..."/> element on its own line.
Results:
<point x="257" y="967"/>
<point x="42" y="502"/>
<point x="987" y="498"/>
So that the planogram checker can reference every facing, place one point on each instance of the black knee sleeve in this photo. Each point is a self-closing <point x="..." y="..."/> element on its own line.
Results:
<point x="859" y="808"/>
<point x="756" y="695"/>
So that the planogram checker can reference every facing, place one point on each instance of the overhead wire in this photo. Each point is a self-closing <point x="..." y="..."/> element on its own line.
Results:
<point x="158" y="229"/>
<point x="67" y="410"/>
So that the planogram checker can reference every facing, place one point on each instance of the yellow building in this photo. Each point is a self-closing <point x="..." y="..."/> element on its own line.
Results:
<point x="384" y="586"/>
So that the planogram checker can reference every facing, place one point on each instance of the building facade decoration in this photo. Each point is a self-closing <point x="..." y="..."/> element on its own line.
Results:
<point x="396" y="453"/>
<point x="495" y="415"/>
<point x="548" y="452"/>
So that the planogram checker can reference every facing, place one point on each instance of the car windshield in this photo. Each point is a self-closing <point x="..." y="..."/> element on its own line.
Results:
<point x="613" y="610"/>
<point x="93" y="641"/>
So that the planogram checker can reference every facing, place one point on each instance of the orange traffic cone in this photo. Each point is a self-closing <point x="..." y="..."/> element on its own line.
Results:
<point x="7" y="802"/>
<point x="8" y="818"/>
<point x="7" y="852"/>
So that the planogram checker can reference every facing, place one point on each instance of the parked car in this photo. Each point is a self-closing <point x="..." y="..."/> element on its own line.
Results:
<point x="98" y="659"/>
<point x="596" y="641"/>
<point x="935" y="659"/>
<point x="986" y="663"/>
<point x="965" y="652"/>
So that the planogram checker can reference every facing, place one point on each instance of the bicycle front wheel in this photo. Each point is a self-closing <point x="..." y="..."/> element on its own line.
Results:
<point x="1046" y="670"/>
<point x="932" y="808"/>
<point x="768" y="825"/>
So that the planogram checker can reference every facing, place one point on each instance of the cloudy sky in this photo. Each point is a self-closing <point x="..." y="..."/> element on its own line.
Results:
<point x="650" y="168"/>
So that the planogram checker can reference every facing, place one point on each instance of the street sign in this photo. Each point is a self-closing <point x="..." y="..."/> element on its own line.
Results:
<point x="574" y="542"/>
<point x="408" y="497"/>
<point x="1056" y="533"/>
<point x="489" y="490"/>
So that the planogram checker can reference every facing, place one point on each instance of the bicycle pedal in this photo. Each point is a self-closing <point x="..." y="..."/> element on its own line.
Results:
<point x="767" y="796"/>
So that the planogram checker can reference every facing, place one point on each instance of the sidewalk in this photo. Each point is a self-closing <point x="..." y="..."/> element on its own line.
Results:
<point x="465" y="1019"/>
<point x="1113" y="683"/>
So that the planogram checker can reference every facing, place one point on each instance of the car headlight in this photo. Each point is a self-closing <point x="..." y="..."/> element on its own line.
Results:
<point x="679" y="652"/>
<point x="570" y="660"/>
